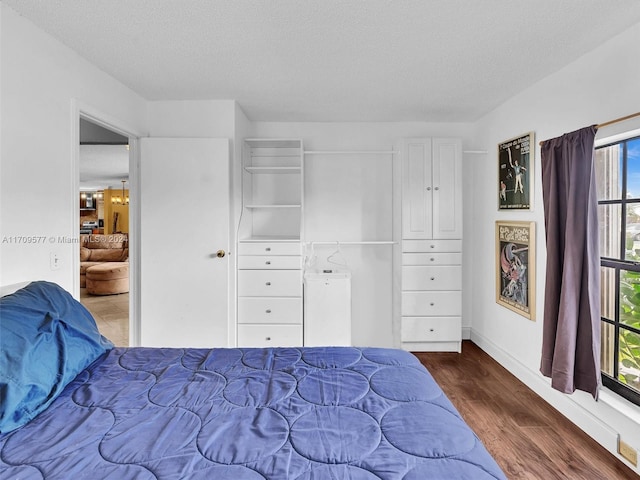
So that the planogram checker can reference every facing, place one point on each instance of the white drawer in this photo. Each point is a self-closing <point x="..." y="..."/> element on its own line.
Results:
<point x="432" y="259"/>
<point x="431" y="304"/>
<point x="269" y="248"/>
<point x="269" y="335"/>
<point x="269" y="262"/>
<point x="431" y="329"/>
<point x="419" y="246"/>
<point x="270" y="310"/>
<point x="431" y="278"/>
<point x="269" y="283"/>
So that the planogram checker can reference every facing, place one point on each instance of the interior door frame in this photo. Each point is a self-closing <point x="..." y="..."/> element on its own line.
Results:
<point x="87" y="112"/>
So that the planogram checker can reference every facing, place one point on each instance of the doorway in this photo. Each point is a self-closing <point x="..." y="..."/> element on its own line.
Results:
<point x="104" y="228"/>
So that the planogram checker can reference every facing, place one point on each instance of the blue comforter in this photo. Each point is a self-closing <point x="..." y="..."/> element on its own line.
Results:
<point x="284" y="413"/>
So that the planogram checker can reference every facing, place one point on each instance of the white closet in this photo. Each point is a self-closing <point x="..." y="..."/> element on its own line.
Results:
<point x="431" y="244"/>
<point x="269" y="244"/>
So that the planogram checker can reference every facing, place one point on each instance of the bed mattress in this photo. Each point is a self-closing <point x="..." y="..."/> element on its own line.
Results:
<point x="249" y="414"/>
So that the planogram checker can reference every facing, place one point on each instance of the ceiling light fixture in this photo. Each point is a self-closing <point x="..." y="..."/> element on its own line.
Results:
<point x="124" y="200"/>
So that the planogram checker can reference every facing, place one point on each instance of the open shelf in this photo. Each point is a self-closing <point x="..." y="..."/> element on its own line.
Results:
<point x="270" y="238"/>
<point x="273" y="170"/>
<point x="274" y="206"/>
<point x="272" y="190"/>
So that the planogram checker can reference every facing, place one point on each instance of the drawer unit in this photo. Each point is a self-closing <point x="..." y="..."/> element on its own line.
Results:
<point x="431" y="278"/>
<point x="269" y="335"/>
<point x="432" y="259"/>
<point x="269" y="283"/>
<point x="425" y="246"/>
<point x="431" y="329"/>
<point x="269" y="262"/>
<point x="269" y="248"/>
<point x="268" y="310"/>
<point x="427" y="303"/>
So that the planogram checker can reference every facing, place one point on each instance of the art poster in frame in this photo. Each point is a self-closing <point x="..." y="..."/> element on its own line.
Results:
<point x="515" y="266"/>
<point x="515" y="172"/>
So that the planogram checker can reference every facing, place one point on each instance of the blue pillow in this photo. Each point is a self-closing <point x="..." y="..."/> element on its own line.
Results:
<point x="46" y="338"/>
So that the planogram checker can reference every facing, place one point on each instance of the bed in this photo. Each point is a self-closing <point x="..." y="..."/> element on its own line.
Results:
<point x="223" y="413"/>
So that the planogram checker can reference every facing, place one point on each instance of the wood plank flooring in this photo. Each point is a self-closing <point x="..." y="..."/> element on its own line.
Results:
<point x="528" y="438"/>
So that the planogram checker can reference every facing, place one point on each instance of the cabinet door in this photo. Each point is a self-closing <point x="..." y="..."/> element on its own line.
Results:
<point x="417" y="193"/>
<point x="447" y="188"/>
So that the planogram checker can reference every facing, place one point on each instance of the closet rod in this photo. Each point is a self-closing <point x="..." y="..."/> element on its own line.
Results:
<point x="343" y="152"/>
<point x="611" y="122"/>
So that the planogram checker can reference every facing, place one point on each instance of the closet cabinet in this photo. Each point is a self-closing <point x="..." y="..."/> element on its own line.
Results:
<point x="431" y="188"/>
<point x="431" y="244"/>
<point x="269" y="244"/>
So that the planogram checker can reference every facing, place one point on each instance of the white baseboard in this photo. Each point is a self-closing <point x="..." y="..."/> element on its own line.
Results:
<point x="565" y="404"/>
<point x="466" y="333"/>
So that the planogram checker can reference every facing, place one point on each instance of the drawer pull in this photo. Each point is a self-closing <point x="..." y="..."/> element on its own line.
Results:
<point x="268" y="339"/>
<point x="432" y="246"/>
<point x="268" y="311"/>
<point x="267" y="249"/>
<point x="432" y="259"/>
<point x="433" y="278"/>
<point x="432" y="304"/>
<point x="431" y="330"/>
<point x="268" y="284"/>
<point x="267" y="262"/>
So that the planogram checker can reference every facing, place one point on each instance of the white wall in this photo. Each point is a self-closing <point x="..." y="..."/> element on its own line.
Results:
<point x="42" y="80"/>
<point x="192" y="118"/>
<point x="349" y="197"/>
<point x="242" y="130"/>
<point x="600" y="86"/>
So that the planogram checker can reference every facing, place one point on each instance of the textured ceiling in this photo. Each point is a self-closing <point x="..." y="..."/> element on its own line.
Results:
<point x="333" y="60"/>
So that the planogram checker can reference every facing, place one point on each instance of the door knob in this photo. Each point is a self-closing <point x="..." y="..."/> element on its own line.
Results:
<point x="220" y="253"/>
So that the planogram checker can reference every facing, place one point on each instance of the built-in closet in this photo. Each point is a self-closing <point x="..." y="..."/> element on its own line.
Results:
<point x="391" y="217"/>
<point x="270" y="244"/>
<point x="431" y="244"/>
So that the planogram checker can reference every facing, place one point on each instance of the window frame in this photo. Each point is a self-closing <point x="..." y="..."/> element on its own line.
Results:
<point x="618" y="265"/>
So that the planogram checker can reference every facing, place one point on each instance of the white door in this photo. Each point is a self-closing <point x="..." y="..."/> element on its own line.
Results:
<point x="184" y="194"/>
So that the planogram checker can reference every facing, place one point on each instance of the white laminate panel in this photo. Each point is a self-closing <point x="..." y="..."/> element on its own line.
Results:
<point x="431" y="329"/>
<point x="268" y="310"/>
<point x="432" y="259"/>
<point x="269" y="262"/>
<point x="447" y="277"/>
<point x="447" y="303"/>
<point x="269" y="283"/>
<point x="426" y="246"/>
<point x="269" y="335"/>
<point x="269" y="248"/>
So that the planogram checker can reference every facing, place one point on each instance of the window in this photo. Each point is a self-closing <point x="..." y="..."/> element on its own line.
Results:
<point x="618" y="174"/>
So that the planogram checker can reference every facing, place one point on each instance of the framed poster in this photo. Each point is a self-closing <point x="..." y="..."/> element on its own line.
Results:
<point x="515" y="173"/>
<point x="515" y="266"/>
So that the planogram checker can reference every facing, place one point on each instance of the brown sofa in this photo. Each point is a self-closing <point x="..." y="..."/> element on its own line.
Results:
<point x="107" y="251"/>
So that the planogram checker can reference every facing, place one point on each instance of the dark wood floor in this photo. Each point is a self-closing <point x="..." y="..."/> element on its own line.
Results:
<point x="528" y="438"/>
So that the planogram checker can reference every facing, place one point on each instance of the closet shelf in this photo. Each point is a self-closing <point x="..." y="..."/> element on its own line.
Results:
<point x="274" y="206"/>
<point x="273" y="169"/>
<point x="270" y="238"/>
<point x="276" y="155"/>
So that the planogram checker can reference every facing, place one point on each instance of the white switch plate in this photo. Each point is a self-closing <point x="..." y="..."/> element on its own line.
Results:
<point x="54" y="261"/>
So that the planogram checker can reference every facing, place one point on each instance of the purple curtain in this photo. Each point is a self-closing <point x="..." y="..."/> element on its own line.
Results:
<point x="571" y="330"/>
